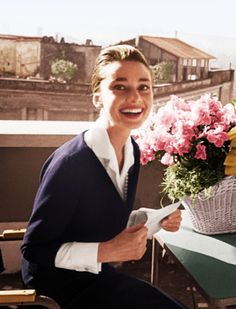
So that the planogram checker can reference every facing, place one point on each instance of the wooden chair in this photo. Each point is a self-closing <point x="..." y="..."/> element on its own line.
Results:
<point x="21" y="297"/>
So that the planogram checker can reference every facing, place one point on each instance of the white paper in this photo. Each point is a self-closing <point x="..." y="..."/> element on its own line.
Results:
<point x="151" y="217"/>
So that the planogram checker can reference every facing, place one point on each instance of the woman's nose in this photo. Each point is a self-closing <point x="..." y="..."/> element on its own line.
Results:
<point x="133" y="96"/>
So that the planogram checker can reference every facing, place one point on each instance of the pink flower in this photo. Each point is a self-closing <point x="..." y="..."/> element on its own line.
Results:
<point x="167" y="159"/>
<point x="146" y="153"/>
<point x="229" y="115"/>
<point x="183" y="128"/>
<point x="200" y="113"/>
<point x="166" y="119"/>
<point x="217" y="139"/>
<point x="217" y="135"/>
<point x="201" y="152"/>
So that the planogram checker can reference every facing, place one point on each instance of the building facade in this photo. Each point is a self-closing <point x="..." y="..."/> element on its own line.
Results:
<point x="189" y="63"/>
<point x="25" y="98"/>
<point x="29" y="57"/>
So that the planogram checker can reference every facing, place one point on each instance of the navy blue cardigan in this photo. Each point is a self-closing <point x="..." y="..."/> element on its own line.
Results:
<point x="76" y="201"/>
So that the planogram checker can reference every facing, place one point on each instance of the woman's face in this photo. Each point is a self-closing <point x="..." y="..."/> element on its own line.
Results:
<point x="125" y="94"/>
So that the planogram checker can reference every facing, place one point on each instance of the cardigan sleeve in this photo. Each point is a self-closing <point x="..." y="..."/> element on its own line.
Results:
<point x="54" y="205"/>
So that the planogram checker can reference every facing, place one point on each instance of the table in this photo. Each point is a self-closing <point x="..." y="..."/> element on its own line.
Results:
<point x="210" y="261"/>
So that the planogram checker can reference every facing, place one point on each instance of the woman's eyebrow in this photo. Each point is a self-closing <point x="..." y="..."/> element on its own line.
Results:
<point x="144" y="79"/>
<point x="120" y="79"/>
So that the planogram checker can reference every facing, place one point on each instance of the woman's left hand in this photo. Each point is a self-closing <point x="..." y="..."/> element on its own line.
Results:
<point x="172" y="222"/>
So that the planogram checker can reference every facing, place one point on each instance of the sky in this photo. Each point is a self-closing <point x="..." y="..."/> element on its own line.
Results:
<point x="209" y="24"/>
<point x="109" y="21"/>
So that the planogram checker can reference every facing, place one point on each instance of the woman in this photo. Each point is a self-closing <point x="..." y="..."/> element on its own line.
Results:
<point x="86" y="194"/>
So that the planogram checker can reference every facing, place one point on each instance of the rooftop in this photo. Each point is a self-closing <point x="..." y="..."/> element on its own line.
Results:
<point x="177" y="47"/>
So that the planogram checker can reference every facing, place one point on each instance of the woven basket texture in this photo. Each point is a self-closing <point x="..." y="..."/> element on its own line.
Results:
<point x="217" y="214"/>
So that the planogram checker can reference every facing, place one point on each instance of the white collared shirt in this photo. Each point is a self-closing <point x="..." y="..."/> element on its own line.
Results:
<point x="83" y="256"/>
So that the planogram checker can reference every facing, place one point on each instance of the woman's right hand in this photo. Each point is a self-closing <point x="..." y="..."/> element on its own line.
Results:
<point x="128" y="245"/>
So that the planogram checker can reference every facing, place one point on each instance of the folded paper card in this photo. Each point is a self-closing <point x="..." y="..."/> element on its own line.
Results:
<point x="151" y="217"/>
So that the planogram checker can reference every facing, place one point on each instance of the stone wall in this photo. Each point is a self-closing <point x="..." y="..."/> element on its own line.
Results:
<point x="51" y="51"/>
<point x="35" y="84"/>
<point x="90" y="55"/>
<point x="36" y="105"/>
<point x="223" y="92"/>
<point x="44" y="100"/>
<point x="27" y="58"/>
<point x="7" y="57"/>
<point x="220" y="83"/>
<point x="83" y="55"/>
<point x="220" y="76"/>
<point x="165" y="89"/>
<point x="227" y="92"/>
<point x="19" y="58"/>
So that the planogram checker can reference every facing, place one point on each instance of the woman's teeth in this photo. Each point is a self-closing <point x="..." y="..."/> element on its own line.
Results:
<point x="131" y="111"/>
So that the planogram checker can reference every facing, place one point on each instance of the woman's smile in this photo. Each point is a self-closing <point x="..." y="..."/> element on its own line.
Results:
<point x="132" y="112"/>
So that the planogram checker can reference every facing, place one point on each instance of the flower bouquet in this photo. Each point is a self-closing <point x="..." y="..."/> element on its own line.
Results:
<point x="193" y="139"/>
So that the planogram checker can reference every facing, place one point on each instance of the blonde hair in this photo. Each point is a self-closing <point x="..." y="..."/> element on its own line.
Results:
<point x="111" y="54"/>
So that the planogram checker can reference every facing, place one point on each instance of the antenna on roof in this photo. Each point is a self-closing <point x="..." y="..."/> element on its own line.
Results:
<point x="176" y="34"/>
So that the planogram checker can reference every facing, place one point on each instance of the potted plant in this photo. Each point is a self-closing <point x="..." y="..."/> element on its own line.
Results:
<point x="63" y="70"/>
<point x="192" y="139"/>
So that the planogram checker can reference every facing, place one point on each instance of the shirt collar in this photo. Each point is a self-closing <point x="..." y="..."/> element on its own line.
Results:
<point x="98" y="140"/>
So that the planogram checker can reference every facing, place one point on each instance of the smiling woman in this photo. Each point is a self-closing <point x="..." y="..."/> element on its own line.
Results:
<point x="86" y="194"/>
<point x="126" y="95"/>
<point x="123" y="87"/>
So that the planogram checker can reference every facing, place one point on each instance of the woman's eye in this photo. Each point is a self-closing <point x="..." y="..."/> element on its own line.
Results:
<point x="143" y="87"/>
<point x="119" y="87"/>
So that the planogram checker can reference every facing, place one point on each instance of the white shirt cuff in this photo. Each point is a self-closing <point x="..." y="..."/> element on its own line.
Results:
<point x="78" y="256"/>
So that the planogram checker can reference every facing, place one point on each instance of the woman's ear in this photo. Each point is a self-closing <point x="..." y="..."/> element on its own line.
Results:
<point x="97" y="102"/>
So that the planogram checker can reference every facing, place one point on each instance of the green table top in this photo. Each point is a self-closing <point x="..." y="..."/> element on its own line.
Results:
<point x="210" y="260"/>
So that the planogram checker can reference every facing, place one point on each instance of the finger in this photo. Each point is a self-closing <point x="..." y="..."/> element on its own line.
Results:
<point x="173" y="217"/>
<point x="143" y="236"/>
<point x="172" y="227"/>
<point x="175" y="214"/>
<point x="173" y="220"/>
<point x="134" y="228"/>
<point x="142" y="233"/>
<point x="170" y="223"/>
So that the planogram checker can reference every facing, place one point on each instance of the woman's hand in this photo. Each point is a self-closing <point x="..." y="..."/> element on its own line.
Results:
<point x="130" y="244"/>
<point x="172" y="222"/>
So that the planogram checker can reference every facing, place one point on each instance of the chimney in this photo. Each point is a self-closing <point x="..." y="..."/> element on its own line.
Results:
<point x="137" y="39"/>
<point x="88" y="42"/>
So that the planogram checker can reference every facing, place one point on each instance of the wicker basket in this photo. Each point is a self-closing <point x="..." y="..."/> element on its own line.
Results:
<point x="217" y="214"/>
